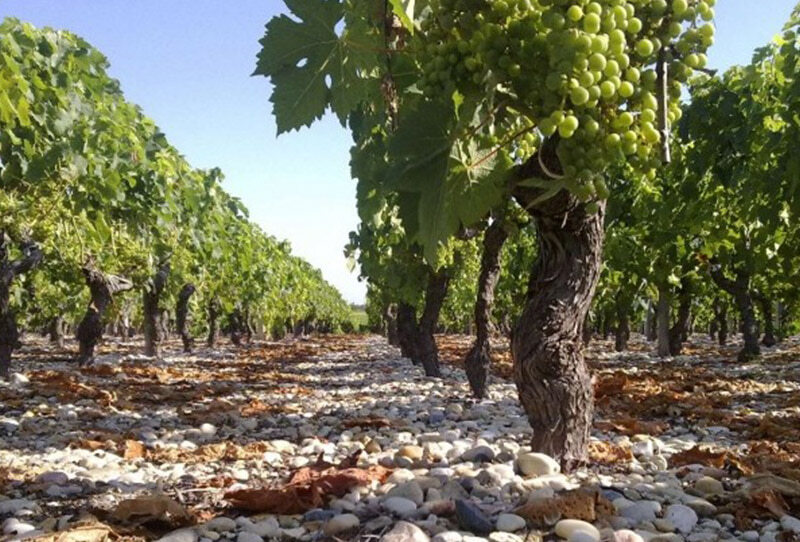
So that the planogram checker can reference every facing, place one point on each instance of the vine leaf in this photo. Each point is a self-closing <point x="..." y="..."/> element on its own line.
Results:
<point x="404" y="9"/>
<point x="312" y="66"/>
<point x="457" y="183"/>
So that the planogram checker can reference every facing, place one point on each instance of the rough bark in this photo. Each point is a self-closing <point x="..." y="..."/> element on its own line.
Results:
<point x="769" y="324"/>
<point x="212" y="311"/>
<point x="623" y="331"/>
<point x="407" y="330"/>
<point x="426" y="348"/>
<point x="587" y="330"/>
<point x="679" y="331"/>
<point x="56" y="331"/>
<point x="181" y="314"/>
<point x="390" y="320"/>
<point x="650" y="327"/>
<point x="153" y="326"/>
<point x="479" y="358"/>
<point x="9" y="270"/>
<point x="102" y="288"/>
<point x="739" y="288"/>
<point x="550" y="372"/>
<point x="662" y="321"/>
<point x="719" y="326"/>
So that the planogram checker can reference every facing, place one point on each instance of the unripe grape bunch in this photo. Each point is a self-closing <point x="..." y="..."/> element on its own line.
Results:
<point x="584" y="70"/>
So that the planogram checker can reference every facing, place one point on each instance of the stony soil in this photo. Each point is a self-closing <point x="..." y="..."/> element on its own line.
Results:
<point x="696" y="448"/>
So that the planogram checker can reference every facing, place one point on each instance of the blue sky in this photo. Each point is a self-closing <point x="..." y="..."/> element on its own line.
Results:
<point x="188" y="64"/>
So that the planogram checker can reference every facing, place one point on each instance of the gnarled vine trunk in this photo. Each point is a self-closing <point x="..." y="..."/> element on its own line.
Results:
<point x="550" y="372"/>
<point x="623" y="331"/>
<point x="479" y="358"/>
<point x="769" y="324"/>
<point x="181" y="314"/>
<point x="152" y="313"/>
<point x="102" y="288"/>
<point x="426" y="348"/>
<point x="56" y="331"/>
<point x="390" y="321"/>
<point x="9" y="270"/>
<point x="650" y="327"/>
<point x="739" y="288"/>
<point x="662" y="321"/>
<point x="720" y="323"/>
<point x="407" y="331"/>
<point x="213" y="311"/>
<point x="679" y="331"/>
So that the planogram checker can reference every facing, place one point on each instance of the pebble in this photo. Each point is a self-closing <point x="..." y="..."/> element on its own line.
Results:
<point x="534" y="464"/>
<point x="708" y="486"/>
<point x="181" y="535"/>
<point x="448" y="536"/>
<point x="409" y="490"/>
<point x="246" y="536"/>
<point x="405" y="532"/>
<point x="411" y="452"/>
<point x="567" y="527"/>
<point x="208" y="429"/>
<point x="340" y="524"/>
<point x="472" y="518"/>
<point x="701" y="506"/>
<point x="504" y="537"/>
<point x="15" y="506"/>
<point x="479" y="454"/>
<point x="790" y="523"/>
<point x="625" y="535"/>
<point x="641" y="511"/>
<point x="510" y="523"/>
<point x="682" y="517"/>
<point x="400" y="506"/>
<point x="221" y="524"/>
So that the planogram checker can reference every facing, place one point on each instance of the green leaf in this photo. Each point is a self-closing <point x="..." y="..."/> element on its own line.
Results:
<point x="404" y="9"/>
<point x="312" y="67"/>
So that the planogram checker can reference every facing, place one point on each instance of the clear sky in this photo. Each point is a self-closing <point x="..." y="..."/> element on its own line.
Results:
<point x="188" y="64"/>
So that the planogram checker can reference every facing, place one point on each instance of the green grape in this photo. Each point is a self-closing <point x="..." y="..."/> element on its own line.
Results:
<point x="597" y="62"/>
<point x="645" y="47"/>
<point x="679" y="7"/>
<point x="575" y="13"/>
<point x="591" y="23"/>
<point x="579" y="95"/>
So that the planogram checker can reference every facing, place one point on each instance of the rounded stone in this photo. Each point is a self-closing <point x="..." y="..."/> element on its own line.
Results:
<point x="246" y="536"/>
<point x="405" y="532"/>
<point x="400" y="506"/>
<point x="535" y="464"/>
<point x="510" y="523"/>
<point x="682" y="517"/>
<point x="340" y="524"/>
<point x="567" y="527"/>
<point x="708" y="486"/>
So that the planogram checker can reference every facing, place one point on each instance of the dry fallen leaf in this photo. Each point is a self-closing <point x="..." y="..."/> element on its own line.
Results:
<point x="95" y="532"/>
<point x="700" y="456"/>
<point x="133" y="449"/>
<point x="577" y="504"/>
<point x="308" y="488"/>
<point x="151" y="508"/>
<point x="609" y="453"/>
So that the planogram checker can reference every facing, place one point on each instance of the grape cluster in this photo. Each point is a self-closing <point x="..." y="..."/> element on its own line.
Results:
<point x="582" y="69"/>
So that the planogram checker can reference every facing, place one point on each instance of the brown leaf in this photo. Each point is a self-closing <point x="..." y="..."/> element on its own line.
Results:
<point x="699" y="456"/>
<point x="609" y="453"/>
<point x="770" y="501"/>
<point x="153" y="507"/>
<point x="577" y="504"/>
<point x="367" y="422"/>
<point x="133" y="449"/>
<point x="95" y="532"/>
<point x="307" y="488"/>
